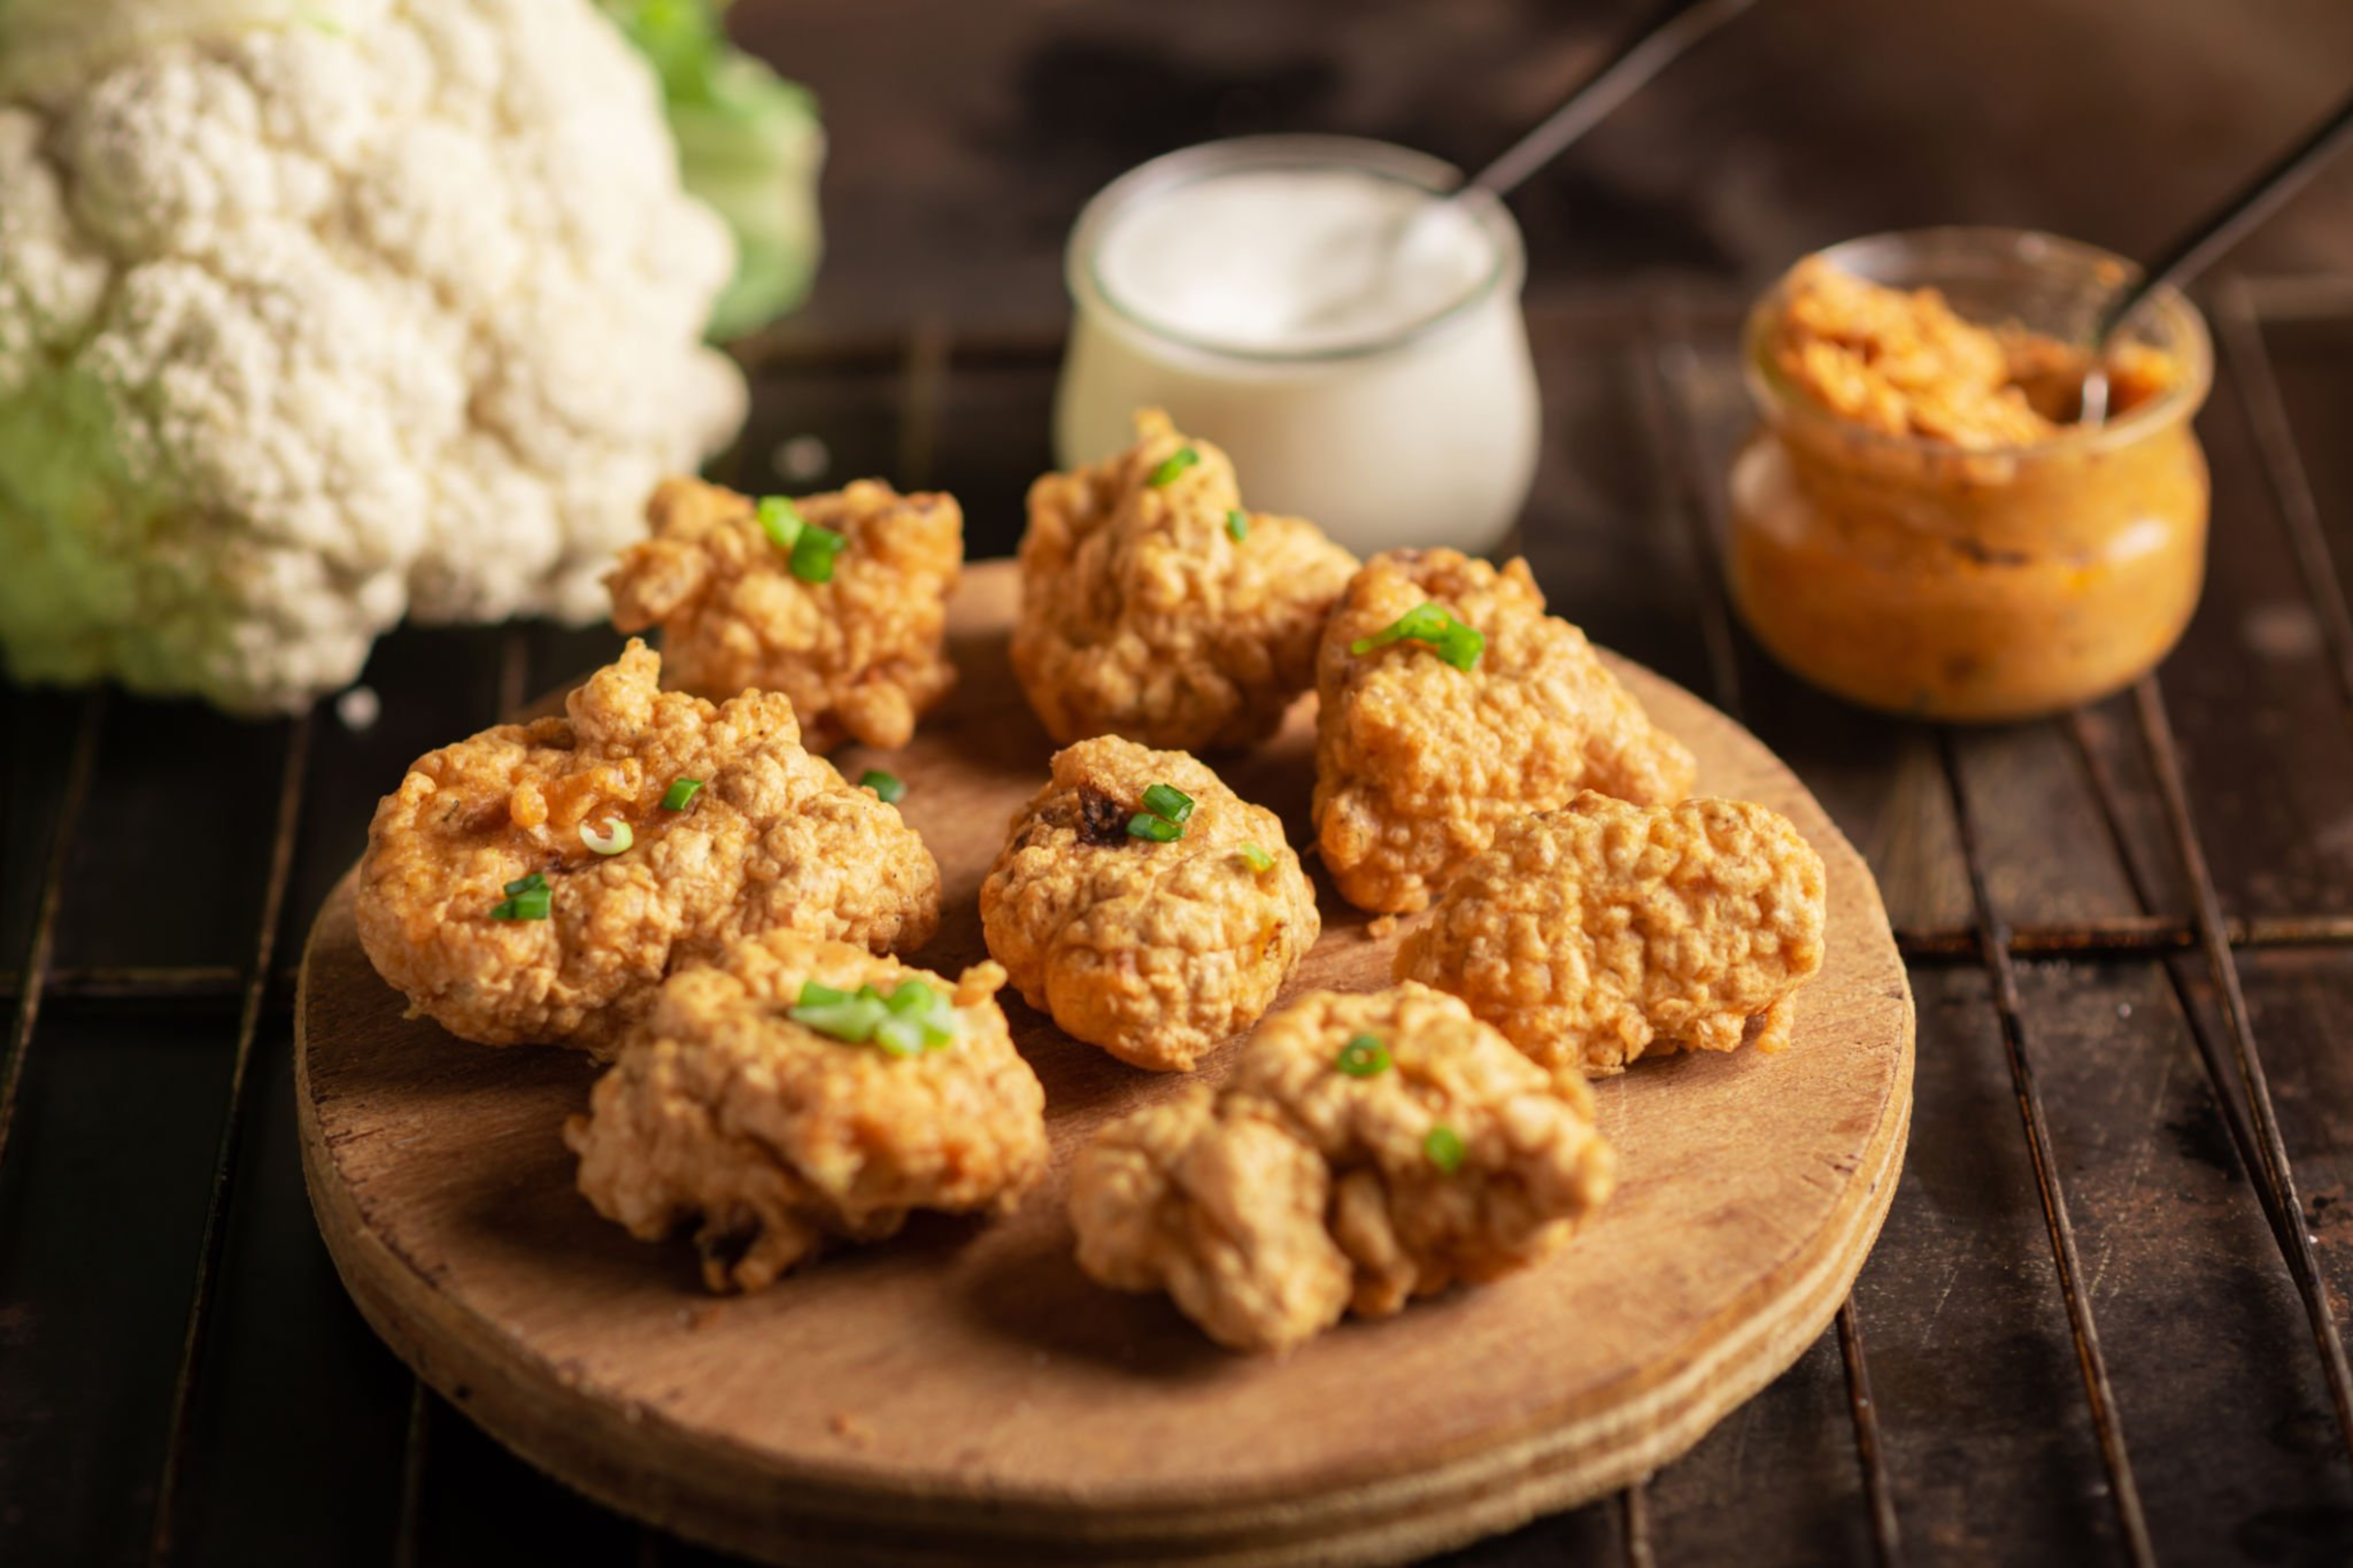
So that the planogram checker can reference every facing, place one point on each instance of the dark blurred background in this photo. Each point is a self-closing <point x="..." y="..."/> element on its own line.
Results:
<point x="965" y="135"/>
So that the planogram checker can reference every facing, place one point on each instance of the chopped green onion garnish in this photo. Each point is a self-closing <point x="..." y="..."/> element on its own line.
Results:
<point x="527" y="899"/>
<point x="782" y="519"/>
<point x="1256" y="858"/>
<point x="1429" y="622"/>
<point x="912" y="1019"/>
<point x="1362" y="1056"/>
<point x="1158" y="829"/>
<point x="852" y="1020"/>
<point x="1445" y="1148"/>
<point x="680" y="791"/>
<point x="1168" y="801"/>
<point x="813" y="553"/>
<point x="888" y="786"/>
<point x="617" y="836"/>
<point x="1176" y="463"/>
<point x="1238" y="525"/>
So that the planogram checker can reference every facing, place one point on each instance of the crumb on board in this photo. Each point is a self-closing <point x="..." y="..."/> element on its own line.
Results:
<point x="1381" y="927"/>
<point x="853" y="1430"/>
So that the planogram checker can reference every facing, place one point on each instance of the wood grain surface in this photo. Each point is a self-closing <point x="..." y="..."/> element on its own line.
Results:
<point x="964" y="1390"/>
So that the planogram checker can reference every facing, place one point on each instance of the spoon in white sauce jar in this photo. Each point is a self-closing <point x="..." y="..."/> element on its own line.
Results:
<point x="1341" y="315"/>
<point x="1415" y="242"/>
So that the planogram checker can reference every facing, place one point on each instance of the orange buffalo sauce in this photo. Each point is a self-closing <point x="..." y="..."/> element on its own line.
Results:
<point x="1916" y="524"/>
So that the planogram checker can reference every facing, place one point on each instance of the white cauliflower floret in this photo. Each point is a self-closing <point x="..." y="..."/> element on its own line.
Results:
<point x="306" y="328"/>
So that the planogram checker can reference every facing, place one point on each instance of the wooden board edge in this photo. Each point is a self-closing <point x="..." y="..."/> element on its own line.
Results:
<point x="1561" y="1465"/>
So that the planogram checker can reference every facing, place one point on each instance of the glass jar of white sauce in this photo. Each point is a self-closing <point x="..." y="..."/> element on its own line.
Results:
<point x="1311" y="305"/>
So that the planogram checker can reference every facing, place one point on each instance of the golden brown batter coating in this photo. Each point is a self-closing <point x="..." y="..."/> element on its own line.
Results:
<point x="1143" y="615"/>
<point x="1155" y="951"/>
<point x="772" y="1138"/>
<point x="1594" y="934"/>
<point x="1417" y="762"/>
<point x="1300" y="1190"/>
<point x="773" y="839"/>
<point x="859" y="655"/>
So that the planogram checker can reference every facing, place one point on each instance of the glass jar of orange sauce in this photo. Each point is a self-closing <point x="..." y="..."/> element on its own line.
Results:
<point x="1917" y="524"/>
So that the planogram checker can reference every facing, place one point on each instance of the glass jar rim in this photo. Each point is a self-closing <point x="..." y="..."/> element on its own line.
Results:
<point x="1211" y="160"/>
<point x="2184" y="328"/>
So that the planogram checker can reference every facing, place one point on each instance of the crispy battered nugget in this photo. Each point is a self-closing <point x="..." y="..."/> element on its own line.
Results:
<point x="1417" y="762"/>
<point x="1592" y="934"/>
<point x="1328" y="1175"/>
<point x="1155" y="951"/>
<point x="772" y="1137"/>
<point x="1144" y="615"/>
<point x="859" y="655"/>
<point x="773" y="839"/>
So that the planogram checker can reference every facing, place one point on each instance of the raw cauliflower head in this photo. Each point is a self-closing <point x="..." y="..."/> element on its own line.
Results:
<point x="303" y="328"/>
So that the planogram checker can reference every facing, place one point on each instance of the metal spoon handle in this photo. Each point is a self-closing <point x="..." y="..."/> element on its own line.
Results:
<point x="2252" y="203"/>
<point x="1671" y="30"/>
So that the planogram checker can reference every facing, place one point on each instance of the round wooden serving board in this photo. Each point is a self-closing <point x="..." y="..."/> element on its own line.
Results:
<point x="963" y="1393"/>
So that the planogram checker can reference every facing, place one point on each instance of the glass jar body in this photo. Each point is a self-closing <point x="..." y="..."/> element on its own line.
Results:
<point x="1974" y="583"/>
<point x="2024" y="587"/>
<point x="1425" y="436"/>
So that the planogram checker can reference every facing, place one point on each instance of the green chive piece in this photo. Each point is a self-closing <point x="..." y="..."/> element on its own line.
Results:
<point x="617" y="836"/>
<point x="1363" y="1056"/>
<point x="782" y="519"/>
<point x="1176" y="463"/>
<point x="1158" y="829"/>
<point x="1238" y="525"/>
<point x="1168" y="801"/>
<point x="1445" y="1147"/>
<point x="1256" y="858"/>
<point x="680" y="791"/>
<point x="915" y="1017"/>
<point x="1432" y="624"/>
<point x="889" y="787"/>
<point x="911" y="996"/>
<point x="852" y="1020"/>
<point x="528" y="899"/>
<point x="1461" y="647"/>
<point x="813" y="553"/>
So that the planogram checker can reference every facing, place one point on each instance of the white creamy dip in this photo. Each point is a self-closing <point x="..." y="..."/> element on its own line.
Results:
<point x="1308" y="303"/>
<point x="1303" y="259"/>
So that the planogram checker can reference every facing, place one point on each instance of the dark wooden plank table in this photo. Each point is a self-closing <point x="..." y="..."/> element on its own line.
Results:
<point x="182" y="1378"/>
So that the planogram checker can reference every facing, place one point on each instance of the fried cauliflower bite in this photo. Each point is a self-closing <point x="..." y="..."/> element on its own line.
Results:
<point x="1154" y="951"/>
<point x="859" y="655"/>
<point x="772" y="1138"/>
<point x="1142" y="615"/>
<point x="773" y="839"/>
<point x="1596" y="933"/>
<point x="1302" y="1190"/>
<point x="1417" y="762"/>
